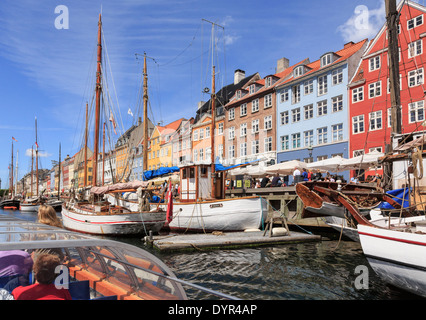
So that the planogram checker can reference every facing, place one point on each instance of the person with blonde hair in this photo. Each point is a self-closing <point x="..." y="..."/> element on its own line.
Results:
<point x="47" y="215"/>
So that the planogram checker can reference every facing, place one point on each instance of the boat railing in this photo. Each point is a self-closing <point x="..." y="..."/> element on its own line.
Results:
<point x="172" y="279"/>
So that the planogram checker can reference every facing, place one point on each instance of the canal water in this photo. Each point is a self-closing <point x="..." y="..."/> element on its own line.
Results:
<point x="325" y="270"/>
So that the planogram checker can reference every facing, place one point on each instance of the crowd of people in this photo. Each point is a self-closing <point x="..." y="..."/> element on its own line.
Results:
<point x="18" y="266"/>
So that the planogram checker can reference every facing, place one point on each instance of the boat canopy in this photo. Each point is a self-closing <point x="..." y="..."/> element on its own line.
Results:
<point x="151" y="174"/>
<point x="119" y="186"/>
<point x="122" y="265"/>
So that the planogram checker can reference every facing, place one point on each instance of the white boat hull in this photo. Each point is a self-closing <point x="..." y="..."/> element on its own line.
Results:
<point x="24" y="207"/>
<point x="114" y="224"/>
<point x="398" y="257"/>
<point x="221" y="215"/>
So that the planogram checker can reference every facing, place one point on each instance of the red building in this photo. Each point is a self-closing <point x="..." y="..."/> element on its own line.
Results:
<point x="369" y="93"/>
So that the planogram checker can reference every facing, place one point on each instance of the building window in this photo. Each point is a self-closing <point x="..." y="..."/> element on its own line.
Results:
<point x="308" y="87"/>
<point x="337" y="77"/>
<point x="243" y="110"/>
<point x="308" y="137"/>
<point x="374" y="63"/>
<point x="284" y="143"/>
<point x="358" y="124"/>
<point x="255" y="126"/>
<point x="375" y="89"/>
<point x="357" y="153"/>
<point x="416" y="110"/>
<point x="325" y="60"/>
<point x="195" y="155"/>
<point x="207" y="132"/>
<point x="268" y="122"/>
<point x="251" y="89"/>
<point x="295" y="140"/>
<point x="255" y="147"/>
<point x="284" y="117"/>
<point x="268" y="101"/>
<point x="376" y="120"/>
<point x="337" y="132"/>
<point x="322" y="85"/>
<point x="309" y="111"/>
<point x="357" y="94"/>
<point x="231" y="152"/>
<point x="415" y="77"/>
<point x="231" y="133"/>
<point x="220" y="128"/>
<point x="284" y="96"/>
<point x="231" y="114"/>
<point x="322" y="135"/>
<point x="268" y="144"/>
<point x="415" y="48"/>
<point x="298" y="71"/>
<point x="201" y="134"/>
<point x="295" y="94"/>
<point x="201" y="154"/>
<point x="195" y="135"/>
<point x="243" y="129"/>
<point x="295" y="115"/>
<point x="243" y="149"/>
<point x="415" y="22"/>
<point x="337" y="103"/>
<point x="322" y="108"/>
<point x="268" y="82"/>
<point x="255" y="105"/>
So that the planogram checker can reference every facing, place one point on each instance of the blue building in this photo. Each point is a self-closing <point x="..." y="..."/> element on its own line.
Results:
<point x="312" y="107"/>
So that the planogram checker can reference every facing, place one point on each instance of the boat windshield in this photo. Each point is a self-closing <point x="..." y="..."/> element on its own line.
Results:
<point x="112" y="267"/>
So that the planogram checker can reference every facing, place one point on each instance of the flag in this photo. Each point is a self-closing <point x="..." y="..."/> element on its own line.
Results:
<point x="14" y="139"/>
<point x="130" y="112"/>
<point x="169" y="214"/>
<point x="114" y="125"/>
<point x="36" y="144"/>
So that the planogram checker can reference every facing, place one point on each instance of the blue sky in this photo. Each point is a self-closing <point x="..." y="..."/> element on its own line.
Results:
<point x="48" y="73"/>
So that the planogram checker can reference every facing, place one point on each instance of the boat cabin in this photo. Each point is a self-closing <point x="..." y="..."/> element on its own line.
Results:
<point x="196" y="183"/>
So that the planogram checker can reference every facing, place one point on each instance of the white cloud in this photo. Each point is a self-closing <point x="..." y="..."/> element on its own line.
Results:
<point x="364" y="23"/>
<point x="41" y="154"/>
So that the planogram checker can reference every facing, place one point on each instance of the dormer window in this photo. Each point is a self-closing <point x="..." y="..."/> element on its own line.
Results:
<point x="268" y="82"/>
<point x="251" y="89"/>
<point x="298" y="71"/>
<point x="326" y="59"/>
<point x="238" y="94"/>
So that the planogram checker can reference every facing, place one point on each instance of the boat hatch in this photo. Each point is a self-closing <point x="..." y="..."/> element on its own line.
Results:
<point x="111" y="268"/>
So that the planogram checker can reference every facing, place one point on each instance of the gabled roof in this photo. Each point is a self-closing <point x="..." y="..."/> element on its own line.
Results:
<point x="341" y="55"/>
<point x="223" y="96"/>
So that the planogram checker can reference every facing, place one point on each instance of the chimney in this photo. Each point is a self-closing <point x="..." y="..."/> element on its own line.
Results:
<point x="239" y="75"/>
<point x="200" y="104"/>
<point x="347" y="45"/>
<point x="282" y="64"/>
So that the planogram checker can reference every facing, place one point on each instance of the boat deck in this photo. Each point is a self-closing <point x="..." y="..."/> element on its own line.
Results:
<point x="225" y="240"/>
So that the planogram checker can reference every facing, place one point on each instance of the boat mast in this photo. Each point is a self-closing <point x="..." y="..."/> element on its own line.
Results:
<point x="85" y="148"/>
<point x="32" y="169"/>
<point x="98" y="106"/>
<point x="145" y="115"/>
<point x="59" y="172"/>
<point x="103" y="155"/>
<point x="392" y="18"/>
<point x="36" y="157"/>
<point x="11" y="175"/>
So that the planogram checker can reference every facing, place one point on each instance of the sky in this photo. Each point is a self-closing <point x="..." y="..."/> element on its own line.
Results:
<point x="48" y="58"/>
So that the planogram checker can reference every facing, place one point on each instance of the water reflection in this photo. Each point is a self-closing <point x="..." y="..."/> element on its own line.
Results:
<point x="310" y="271"/>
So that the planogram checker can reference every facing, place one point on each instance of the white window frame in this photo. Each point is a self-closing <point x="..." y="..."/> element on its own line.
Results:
<point x="308" y="138"/>
<point x="322" y="135"/>
<point x="231" y="114"/>
<point x="268" y="101"/>
<point x="375" y="89"/>
<point x="322" y="85"/>
<point x="243" y="149"/>
<point x="308" y="111"/>
<point x="255" y="126"/>
<point x="285" y="142"/>
<point x="415" y="77"/>
<point x="255" y="148"/>
<point x="295" y="94"/>
<point x="243" y="110"/>
<point x="337" y="132"/>
<point x="296" y="142"/>
<point x="357" y="94"/>
<point x="374" y="63"/>
<point x="243" y="129"/>
<point x="284" y="118"/>
<point x="267" y="122"/>
<point x="358" y="124"/>
<point x="231" y="133"/>
<point x="415" y="22"/>
<point x="415" y="48"/>
<point x="268" y="144"/>
<point x="416" y="109"/>
<point x="255" y="105"/>
<point x="337" y="104"/>
<point x="375" y="120"/>
<point x="295" y="115"/>
<point x="322" y="108"/>
<point x="285" y="96"/>
<point x="337" y="77"/>
<point x="308" y="87"/>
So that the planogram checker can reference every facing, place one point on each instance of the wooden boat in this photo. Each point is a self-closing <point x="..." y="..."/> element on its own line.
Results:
<point x="10" y="203"/>
<point x="98" y="216"/>
<point x="98" y="269"/>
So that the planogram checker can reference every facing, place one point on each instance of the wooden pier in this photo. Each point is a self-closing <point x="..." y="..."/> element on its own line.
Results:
<point x="283" y="200"/>
<point x="228" y="240"/>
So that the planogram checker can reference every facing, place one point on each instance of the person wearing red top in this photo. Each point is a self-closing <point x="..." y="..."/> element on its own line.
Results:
<point x="44" y="288"/>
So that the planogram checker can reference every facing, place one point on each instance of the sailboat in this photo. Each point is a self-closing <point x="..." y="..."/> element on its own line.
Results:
<point x="97" y="216"/>
<point x="32" y="204"/>
<point x="12" y="202"/>
<point x="202" y="206"/>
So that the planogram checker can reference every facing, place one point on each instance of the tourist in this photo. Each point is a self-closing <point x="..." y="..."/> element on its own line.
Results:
<point x="354" y="179"/>
<point x="44" y="288"/>
<point x="296" y="175"/>
<point x="15" y="266"/>
<point x="304" y="175"/>
<point x="265" y="181"/>
<point x="47" y="215"/>
<point x="276" y="181"/>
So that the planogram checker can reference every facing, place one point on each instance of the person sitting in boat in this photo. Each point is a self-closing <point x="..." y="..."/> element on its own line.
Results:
<point x="47" y="215"/>
<point x="276" y="181"/>
<point x="265" y="181"/>
<point x="15" y="267"/>
<point x="354" y="179"/>
<point x="44" y="289"/>
<point x="305" y="175"/>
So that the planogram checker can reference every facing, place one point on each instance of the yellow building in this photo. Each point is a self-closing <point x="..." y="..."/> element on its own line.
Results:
<point x="160" y="146"/>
